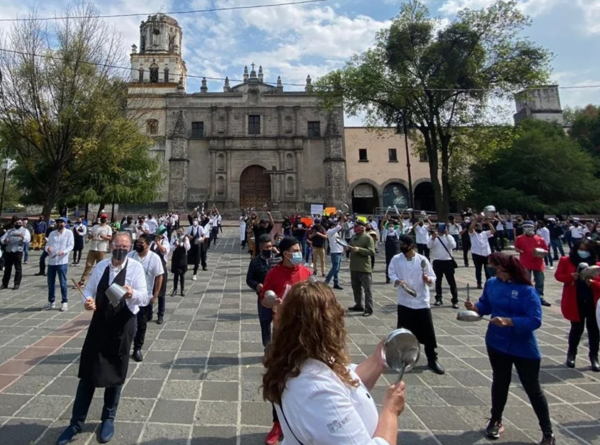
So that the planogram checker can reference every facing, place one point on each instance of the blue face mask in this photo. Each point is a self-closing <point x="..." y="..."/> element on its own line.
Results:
<point x="583" y="254"/>
<point x="296" y="258"/>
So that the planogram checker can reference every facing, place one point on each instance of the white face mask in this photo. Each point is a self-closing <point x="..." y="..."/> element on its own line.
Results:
<point x="195" y="223"/>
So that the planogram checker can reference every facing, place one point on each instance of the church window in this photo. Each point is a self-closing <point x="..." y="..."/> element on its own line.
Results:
<point x="289" y="162"/>
<point x="220" y="162"/>
<point x="314" y="129"/>
<point x="197" y="129"/>
<point x="151" y="126"/>
<point x="289" y="185"/>
<point x="153" y="73"/>
<point x="166" y="75"/>
<point x="254" y="124"/>
<point x="143" y="44"/>
<point x="141" y="78"/>
<point x="220" y="185"/>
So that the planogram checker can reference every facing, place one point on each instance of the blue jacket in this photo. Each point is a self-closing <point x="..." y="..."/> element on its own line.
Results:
<point x="520" y="303"/>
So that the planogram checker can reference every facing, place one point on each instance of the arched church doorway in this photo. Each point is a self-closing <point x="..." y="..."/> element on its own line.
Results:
<point x="424" y="197"/>
<point x="255" y="187"/>
<point x="365" y="199"/>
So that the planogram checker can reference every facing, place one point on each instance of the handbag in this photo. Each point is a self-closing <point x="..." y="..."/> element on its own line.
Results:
<point x="454" y="263"/>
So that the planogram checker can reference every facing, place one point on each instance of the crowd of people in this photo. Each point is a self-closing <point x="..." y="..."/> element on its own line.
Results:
<point x="316" y="394"/>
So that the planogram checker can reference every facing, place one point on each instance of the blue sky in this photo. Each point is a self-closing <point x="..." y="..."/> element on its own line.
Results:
<point x="294" y="41"/>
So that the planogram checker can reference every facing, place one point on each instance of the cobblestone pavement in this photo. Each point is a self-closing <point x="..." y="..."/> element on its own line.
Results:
<point x="199" y="382"/>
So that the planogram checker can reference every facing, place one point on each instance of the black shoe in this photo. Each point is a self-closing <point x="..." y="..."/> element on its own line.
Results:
<point x="494" y="429"/>
<point x="570" y="360"/>
<point x="107" y="431"/>
<point x="16" y="287"/>
<point x="182" y="293"/>
<point x="67" y="436"/>
<point x="174" y="292"/>
<point x="479" y="286"/>
<point x="436" y="367"/>
<point x="545" y="303"/>
<point x="137" y="355"/>
<point x="454" y="305"/>
<point x="40" y="274"/>
<point x="367" y="314"/>
<point x="438" y="302"/>
<point x="356" y="308"/>
<point x="595" y="364"/>
<point x="338" y="287"/>
<point x="548" y="439"/>
<point x="3" y="287"/>
<point x="204" y="269"/>
<point x="159" y="320"/>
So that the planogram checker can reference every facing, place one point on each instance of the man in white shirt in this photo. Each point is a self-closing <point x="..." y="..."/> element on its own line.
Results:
<point x="143" y="228"/>
<point x="422" y="235"/>
<point x="214" y="227"/>
<point x="152" y="224"/>
<point x="454" y="230"/>
<point x="153" y="270"/>
<point x="60" y="243"/>
<point x="480" y="247"/>
<point x="509" y="227"/>
<point x="544" y="233"/>
<point x="197" y="235"/>
<point x="14" y="244"/>
<point x="162" y="247"/>
<point x="105" y="355"/>
<point x="101" y="235"/>
<point x="441" y="245"/>
<point x="336" y="251"/>
<point x="414" y="312"/>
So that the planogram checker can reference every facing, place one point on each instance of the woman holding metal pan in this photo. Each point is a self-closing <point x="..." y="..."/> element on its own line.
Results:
<point x="516" y="313"/>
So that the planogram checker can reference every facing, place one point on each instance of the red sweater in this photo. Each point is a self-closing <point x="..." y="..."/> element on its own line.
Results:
<point x="568" y="303"/>
<point x="280" y="276"/>
<point x="528" y="244"/>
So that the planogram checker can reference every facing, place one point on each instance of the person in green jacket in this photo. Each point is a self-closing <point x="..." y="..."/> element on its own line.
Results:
<point x="361" y="248"/>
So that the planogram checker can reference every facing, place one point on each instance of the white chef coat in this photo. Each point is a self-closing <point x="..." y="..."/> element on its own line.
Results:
<point x="437" y="250"/>
<point x="422" y="233"/>
<point x="196" y="230"/>
<point x="175" y="243"/>
<point x="60" y="242"/>
<point x="322" y="409"/>
<point x="242" y="228"/>
<point x="410" y="271"/>
<point x="153" y="268"/>
<point x="134" y="278"/>
<point x="332" y="236"/>
<point x="164" y="243"/>
<point x="453" y="229"/>
<point x="480" y="244"/>
<point x="152" y="225"/>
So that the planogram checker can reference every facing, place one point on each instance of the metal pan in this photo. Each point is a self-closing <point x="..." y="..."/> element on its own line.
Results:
<point x="401" y="351"/>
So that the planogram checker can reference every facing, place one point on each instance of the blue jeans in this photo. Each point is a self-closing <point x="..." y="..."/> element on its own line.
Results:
<point x="26" y="252"/>
<point x="538" y="278"/>
<point x="336" y="264"/>
<point x="62" y="276"/>
<point x="557" y="246"/>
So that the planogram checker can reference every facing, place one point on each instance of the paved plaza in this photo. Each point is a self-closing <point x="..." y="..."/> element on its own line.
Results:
<point x="199" y="382"/>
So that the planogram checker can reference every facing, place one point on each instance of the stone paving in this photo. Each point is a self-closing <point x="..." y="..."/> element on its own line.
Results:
<point x="199" y="382"/>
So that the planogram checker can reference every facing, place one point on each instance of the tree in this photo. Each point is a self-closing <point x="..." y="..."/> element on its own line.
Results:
<point x="585" y="128"/>
<point x="439" y="78"/>
<point x="62" y="109"/>
<point x="543" y="171"/>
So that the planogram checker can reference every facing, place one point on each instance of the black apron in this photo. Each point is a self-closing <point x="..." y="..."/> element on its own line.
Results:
<point x="392" y="245"/>
<point x="179" y="260"/>
<point x="193" y="255"/>
<point x="163" y="287"/>
<point x="105" y="353"/>
<point x="78" y="240"/>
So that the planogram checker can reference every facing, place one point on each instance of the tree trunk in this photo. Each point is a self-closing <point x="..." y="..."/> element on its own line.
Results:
<point x="87" y="210"/>
<point x="432" y="152"/>
<point x="47" y="209"/>
<point x="112" y="213"/>
<point x="444" y="211"/>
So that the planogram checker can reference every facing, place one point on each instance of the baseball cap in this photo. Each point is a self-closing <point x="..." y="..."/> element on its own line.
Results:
<point x="286" y="243"/>
<point x="62" y="218"/>
<point x="104" y="215"/>
<point x="441" y="228"/>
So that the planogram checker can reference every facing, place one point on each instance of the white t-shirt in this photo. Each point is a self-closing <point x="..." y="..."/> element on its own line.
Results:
<point x="508" y="224"/>
<point x="153" y="268"/>
<point x="98" y="243"/>
<point x="410" y="271"/>
<point x="453" y="229"/>
<point x="152" y="225"/>
<point x="332" y="236"/>
<point x="322" y="409"/>
<point x="480" y="244"/>
<point x="544" y="233"/>
<point x="576" y="232"/>
<point x="422" y="233"/>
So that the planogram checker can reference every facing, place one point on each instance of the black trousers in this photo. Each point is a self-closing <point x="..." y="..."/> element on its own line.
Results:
<point x="423" y="250"/>
<point x="420" y="323"/>
<point x="143" y="316"/>
<point x="529" y="374"/>
<point x="480" y="262"/>
<point x="214" y="232"/>
<point x="444" y="268"/>
<point x="76" y="256"/>
<point x="12" y="259"/>
<point x="161" y="295"/>
<point x="587" y="318"/>
<point x="179" y="277"/>
<point x="203" y="250"/>
<point x="466" y="246"/>
<point x="43" y="262"/>
<point x="83" y="400"/>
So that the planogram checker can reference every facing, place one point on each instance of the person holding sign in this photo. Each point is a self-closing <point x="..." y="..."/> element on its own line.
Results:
<point x="105" y="354"/>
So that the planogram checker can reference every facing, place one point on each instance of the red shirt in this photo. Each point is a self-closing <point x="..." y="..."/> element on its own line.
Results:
<point x="527" y="244"/>
<point x="280" y="276"/>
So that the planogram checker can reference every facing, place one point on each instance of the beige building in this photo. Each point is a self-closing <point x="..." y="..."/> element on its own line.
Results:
<point x="247" y="145"/>
<point x="378" y="174"/>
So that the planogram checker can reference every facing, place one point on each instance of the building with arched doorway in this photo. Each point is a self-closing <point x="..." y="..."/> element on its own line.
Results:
<point x="247" y="145"/>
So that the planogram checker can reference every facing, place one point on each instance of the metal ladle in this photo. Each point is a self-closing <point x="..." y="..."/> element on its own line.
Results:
<point x="470" y="316"/>
<point x="401" y="351"/>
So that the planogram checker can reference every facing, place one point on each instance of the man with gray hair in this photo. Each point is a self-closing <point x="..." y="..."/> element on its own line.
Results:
<point x="115" y="292"/>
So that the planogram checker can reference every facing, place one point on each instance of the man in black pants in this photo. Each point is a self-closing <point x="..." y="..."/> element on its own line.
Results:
<point x="161" y="247"/>
<point x="480" y="247"/>
<point x="197" y="236"/>
<point x="14" y="243"/>
<point x="465" y="239"/>
<point x="414" y="313"/>
<point x="441" y="244"/>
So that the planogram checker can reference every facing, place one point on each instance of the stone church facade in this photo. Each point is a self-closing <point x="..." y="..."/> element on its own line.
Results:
<point x="253" y="144"/>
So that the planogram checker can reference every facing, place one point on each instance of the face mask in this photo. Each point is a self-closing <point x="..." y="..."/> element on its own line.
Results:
<point x="266" y="254"/>
<point x="583" y="254"/>
<point x="139" y="247"/>
<point x="18" y="226"/>
<point x="528" y="232"/>
<point x="359" y="229"/>
<point x="478" y="230"/>
<point x="277" y="242"/>
<point x="296" y="258"/>
<point x="119" y="254"/>
<point x="60" y="226"/>
<point x="195" y="223"/>
<point x="405" y="249"/>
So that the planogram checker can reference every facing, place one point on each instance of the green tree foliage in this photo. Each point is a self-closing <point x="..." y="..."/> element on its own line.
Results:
<point x="543" y="171"/>
<point x="439" y="78"/>
<point x="585" y="128"/>
<point x="63" y="115"/>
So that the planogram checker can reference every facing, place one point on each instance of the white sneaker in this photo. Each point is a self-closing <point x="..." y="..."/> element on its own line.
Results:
<point x="49" y="306"/>
<point x="64" y="307"/>
<point x="194" y="278"/>
<point x="551" y="268"/>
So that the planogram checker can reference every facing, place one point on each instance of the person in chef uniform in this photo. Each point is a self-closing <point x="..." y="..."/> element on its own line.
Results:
<point x="105" y="354"/>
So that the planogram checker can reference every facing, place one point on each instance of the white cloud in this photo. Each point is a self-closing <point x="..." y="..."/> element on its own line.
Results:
<point x="530" y="7"/>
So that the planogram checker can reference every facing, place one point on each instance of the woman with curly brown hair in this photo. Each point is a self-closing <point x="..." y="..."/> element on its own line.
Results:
<point x="320" y="397"/>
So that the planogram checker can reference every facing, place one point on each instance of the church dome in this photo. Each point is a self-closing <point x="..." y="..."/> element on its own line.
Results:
<point x="160" y="17"/>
